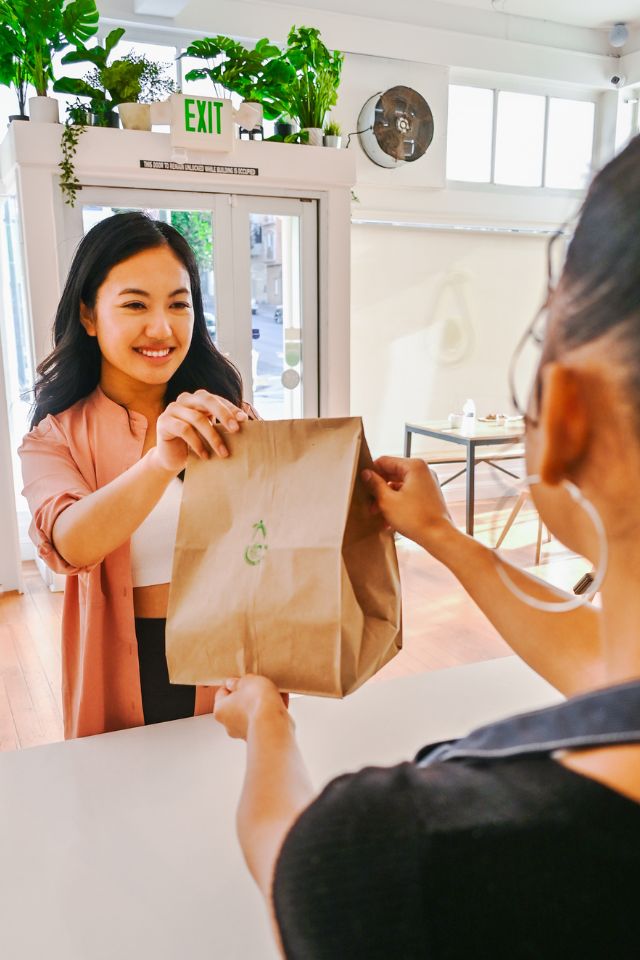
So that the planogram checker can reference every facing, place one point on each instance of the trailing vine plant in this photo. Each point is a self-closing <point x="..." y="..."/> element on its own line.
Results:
<point x="71" y="131"/>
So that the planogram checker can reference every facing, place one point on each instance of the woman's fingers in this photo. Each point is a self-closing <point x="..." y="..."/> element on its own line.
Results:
<point x="213" y="406"/>
<point x="393" y="468"/>
<point x="205" y="438"/>
<point x="175" y="428"/>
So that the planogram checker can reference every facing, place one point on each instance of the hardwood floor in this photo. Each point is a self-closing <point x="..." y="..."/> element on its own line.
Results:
<point x="442" y="626"/>
<point x="30" y="665"/>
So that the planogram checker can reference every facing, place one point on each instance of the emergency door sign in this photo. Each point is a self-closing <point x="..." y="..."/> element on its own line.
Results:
<point x="201" y="123"/>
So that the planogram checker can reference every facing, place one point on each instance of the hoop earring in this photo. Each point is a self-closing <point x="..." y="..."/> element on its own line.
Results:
<point x="565" y="605"/>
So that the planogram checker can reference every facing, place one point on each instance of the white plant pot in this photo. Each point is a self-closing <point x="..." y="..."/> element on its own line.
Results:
<point x="331" y="141"/>
<point x="43" y="110"/>
<point x="160" y="112"/>
<point x="315" y="136"/>
<point x="135" y="116"/>
<point x="249" y="114"/>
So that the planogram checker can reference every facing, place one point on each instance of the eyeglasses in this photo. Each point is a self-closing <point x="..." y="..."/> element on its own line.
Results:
<point x="524" y="368"/>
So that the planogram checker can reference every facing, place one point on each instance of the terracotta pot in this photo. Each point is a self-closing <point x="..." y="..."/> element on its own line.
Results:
<point x="135" y="116"/>
<point x="43" y="110"/>
<point x="331" y="141"/>
<point x="315" y="136"/>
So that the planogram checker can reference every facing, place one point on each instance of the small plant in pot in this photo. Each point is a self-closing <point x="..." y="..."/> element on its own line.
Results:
<point x="314" y="90"/>
<point x="49" y="26"/>
<point x="332" y="134"/>
<point x="131" y="83"/>
<point x="259" y="75"/>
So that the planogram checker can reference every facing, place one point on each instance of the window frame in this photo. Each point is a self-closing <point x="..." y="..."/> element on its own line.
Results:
<point x="548" y="93"/>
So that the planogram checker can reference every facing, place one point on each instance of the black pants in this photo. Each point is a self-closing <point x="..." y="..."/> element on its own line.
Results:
<point x="161" y="700"/>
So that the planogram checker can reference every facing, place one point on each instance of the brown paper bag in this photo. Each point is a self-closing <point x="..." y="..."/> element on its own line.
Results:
<point x="279" y="567"/>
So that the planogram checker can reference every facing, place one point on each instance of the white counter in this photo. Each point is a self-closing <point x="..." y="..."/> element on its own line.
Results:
<point x="123" y="846"/>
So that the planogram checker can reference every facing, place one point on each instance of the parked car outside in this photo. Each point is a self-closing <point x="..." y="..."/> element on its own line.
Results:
<point x="254" y="305"/>
<point x="277" y="316"/>
<point x="210" y="320"/>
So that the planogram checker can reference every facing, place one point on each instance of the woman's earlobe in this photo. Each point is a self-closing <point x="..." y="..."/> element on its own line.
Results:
<point x="87" y="320"/>
<point x="564" y="423"/>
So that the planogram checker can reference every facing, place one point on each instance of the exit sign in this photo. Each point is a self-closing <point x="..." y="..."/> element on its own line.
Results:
<point x="201" y="123"/>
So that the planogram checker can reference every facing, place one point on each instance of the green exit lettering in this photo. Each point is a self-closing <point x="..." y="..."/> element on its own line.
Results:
<point x="205" y="114"/>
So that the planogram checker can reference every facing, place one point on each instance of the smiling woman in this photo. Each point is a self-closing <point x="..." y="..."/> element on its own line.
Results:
<point x="134" y="382"/>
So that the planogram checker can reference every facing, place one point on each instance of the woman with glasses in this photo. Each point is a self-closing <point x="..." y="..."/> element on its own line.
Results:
<point x="521" y="840"/>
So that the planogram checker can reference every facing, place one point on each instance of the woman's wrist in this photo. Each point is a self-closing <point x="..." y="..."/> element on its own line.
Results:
<point x="270" y="720"/>
<point x="153" y="463"/>
<point x="445" y="542"/>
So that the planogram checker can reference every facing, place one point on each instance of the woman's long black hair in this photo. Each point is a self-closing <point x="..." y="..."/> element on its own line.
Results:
<point x="72" y="369"/>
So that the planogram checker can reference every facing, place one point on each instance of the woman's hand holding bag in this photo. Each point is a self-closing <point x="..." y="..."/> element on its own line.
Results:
<point x="189" y="422"/>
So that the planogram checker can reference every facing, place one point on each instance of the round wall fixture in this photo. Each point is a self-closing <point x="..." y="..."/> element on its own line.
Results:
<point x="395" y="127"/>
<point x="618" y="35"/>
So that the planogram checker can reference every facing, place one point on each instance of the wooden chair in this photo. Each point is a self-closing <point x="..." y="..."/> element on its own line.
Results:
<point x="522" y="499"/>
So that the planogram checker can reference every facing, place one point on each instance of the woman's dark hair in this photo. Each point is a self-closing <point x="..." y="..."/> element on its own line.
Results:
<point x="72" y="369"/>
<point x="601" y="277"/>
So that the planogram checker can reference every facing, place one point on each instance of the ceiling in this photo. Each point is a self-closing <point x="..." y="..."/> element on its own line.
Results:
<point x="579" y="13"/>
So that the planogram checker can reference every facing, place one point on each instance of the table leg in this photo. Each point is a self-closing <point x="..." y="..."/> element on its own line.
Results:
<point x="407" y="442"/>
<point x="471" y="478"/>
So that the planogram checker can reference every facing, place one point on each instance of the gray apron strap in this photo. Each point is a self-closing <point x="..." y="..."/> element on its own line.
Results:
<point x="595" y="719"/>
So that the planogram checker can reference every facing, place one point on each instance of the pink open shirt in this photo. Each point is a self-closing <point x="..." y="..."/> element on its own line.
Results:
<point x="65" y="458"/>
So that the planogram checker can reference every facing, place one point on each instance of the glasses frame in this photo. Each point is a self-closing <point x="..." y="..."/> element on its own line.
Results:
<point x="532" y="334"/>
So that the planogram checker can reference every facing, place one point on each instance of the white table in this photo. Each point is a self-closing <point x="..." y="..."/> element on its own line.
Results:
<point x="123" y="846"/>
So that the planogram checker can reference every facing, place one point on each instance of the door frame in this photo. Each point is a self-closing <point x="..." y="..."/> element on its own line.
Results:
<point x="229" y="208"/>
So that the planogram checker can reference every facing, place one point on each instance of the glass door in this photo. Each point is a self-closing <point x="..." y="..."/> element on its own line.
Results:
<point x="276" y="308"/>
<point x="257" y="259"/>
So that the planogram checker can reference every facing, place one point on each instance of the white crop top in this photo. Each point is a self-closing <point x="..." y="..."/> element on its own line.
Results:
<point x="153" y="543"/>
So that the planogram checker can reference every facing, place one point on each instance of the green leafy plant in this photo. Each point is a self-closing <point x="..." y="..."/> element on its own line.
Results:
<point x="73" y="128"/>
<point x="301" y="136"/>
<point x="332" y="129"/>
<point x="49" y="26"/>
<point x="132" y="79"/>
<point x="14" y="68"/>
<point x="260" y="74"/>
<point x="195" y="227"/>
<point x="315" y="87"/>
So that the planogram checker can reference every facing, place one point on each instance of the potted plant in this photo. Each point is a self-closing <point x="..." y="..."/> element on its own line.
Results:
<point x="259" y="75"/>
<point x="131" y="83"/>
<point x="315" y="86"/>
<point x="332" y="134"/>
<point x="14" y="71"/>
<point x="152" y="85"/>
<point x="50" y="26"/>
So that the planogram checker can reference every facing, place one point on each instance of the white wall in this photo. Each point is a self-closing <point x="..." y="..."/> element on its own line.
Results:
<point x="436" y="316"/>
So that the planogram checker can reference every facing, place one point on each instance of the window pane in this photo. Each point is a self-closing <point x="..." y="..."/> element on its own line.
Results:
<point x="569" y="143"/>
<point x="196" y="226"/>
<point x="520" y="139"/>
<point x="624" y="123"/>
<point x="16" y="340"/>
<point x="276" y="316"/>
<point x="469" y="134"/>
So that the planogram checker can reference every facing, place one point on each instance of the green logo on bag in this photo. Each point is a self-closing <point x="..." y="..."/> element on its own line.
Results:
<point x="257" y="549"/>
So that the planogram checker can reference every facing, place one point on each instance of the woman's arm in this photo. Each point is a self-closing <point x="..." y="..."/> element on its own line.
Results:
<point x="276" y="786"/>
<point x="99" y="523"/>
<point x="564" y="648"/>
